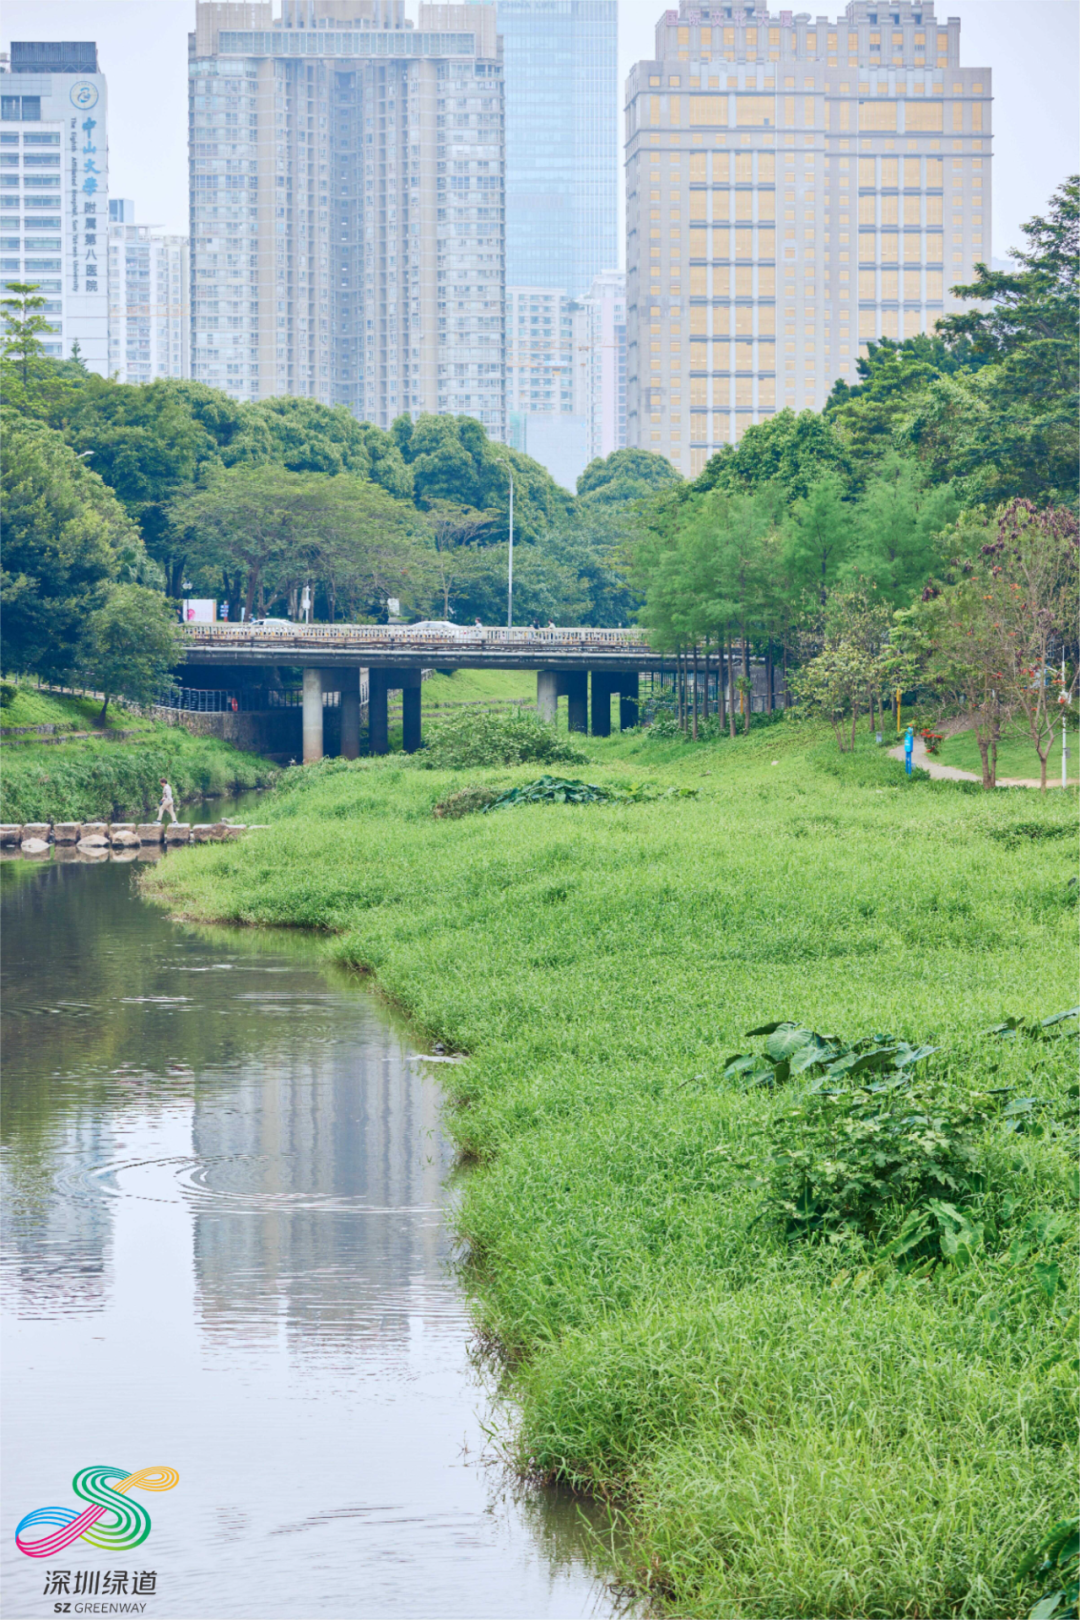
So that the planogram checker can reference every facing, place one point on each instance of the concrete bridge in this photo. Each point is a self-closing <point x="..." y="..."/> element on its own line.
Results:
<point x="332" y="657"/>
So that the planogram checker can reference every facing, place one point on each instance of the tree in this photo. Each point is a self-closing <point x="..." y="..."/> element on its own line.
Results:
<point x="862" y="620"/>
<point x="23" y="325"/>
<point x="898" y="526"/>
<point x="625" y="475"/>
<point x="275" y="530"/>
<point x="65" y="539"/>
<point x="953" y="637"/>
<point x="1010" y="429"/>
<point x="306" y="436"/>
<point x="368" y="547"/>
<point x="452" y="459"/>
<point x="254" y="521"/>
<point x="868" y="415"/>
<point x="833" y="682"/>
<point x="454" y="529"/>
<point x="130" y="646"/>
<point x="148" y="445"/>
<point x="792" y="452"/>
<point x="1033" y="564"/>
<point x="818" y="536"/>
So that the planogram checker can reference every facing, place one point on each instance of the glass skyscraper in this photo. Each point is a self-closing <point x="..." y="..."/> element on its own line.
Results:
<point x="562" y="159"/>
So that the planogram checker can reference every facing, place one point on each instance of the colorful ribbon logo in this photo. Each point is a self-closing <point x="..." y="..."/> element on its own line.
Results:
<point x="131" y="1523"/>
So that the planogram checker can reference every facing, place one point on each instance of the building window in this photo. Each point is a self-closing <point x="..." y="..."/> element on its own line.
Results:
<point x="24" y="109"/>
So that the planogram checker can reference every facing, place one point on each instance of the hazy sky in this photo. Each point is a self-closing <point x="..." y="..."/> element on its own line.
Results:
<point x="1032" y="48"/>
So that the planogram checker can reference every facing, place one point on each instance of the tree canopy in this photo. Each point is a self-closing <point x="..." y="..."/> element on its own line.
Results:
<point x="65" y="538"/>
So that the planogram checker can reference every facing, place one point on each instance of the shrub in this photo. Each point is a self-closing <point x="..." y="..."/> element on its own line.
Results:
<point x="465" y="802"/>
<point x="843" y="1164"/>
<point x="518" y="738"/>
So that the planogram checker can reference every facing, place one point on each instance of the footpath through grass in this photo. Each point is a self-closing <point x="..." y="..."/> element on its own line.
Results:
<point x="1016" y="755"/>
<point x="97" y="778"/>
<point x="800" y="1415"/>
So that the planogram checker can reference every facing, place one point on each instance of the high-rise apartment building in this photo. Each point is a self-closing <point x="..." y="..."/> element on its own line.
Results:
<point x="347" y="238"/>
<point x="545" y="410"/>
<point x="54" y="190"/>
<point x="795" y="188"/>
<point x="149" y="307"/>
<point x="600" y="361"/>
<point x="562" y="134"/>
<point x="566" y="374"/>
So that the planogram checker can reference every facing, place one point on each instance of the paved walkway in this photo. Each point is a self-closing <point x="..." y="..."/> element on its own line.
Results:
<point x="949" y="773"/>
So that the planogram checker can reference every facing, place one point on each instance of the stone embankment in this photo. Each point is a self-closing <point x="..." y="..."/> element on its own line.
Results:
<point x="91" y="837"/>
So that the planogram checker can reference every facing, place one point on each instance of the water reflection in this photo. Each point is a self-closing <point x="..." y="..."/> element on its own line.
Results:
<point x="225" y="1250"/>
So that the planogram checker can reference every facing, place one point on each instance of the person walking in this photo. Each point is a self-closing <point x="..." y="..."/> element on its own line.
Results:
<point x="167" y="806"/>
<point x="909" y="748"/>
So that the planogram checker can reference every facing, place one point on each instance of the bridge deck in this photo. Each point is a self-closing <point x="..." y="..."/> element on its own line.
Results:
<point x="379" y="646"/>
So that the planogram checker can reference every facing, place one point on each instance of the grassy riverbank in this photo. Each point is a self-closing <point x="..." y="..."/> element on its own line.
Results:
<point x="798" y="1426"/>
<point x="97" y="777"/>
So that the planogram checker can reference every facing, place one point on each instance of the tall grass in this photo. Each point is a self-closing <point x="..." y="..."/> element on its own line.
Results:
<point x="91" y="781"/>
<point x="789" y="1428"/>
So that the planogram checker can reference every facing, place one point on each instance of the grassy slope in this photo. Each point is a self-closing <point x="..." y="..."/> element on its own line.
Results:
<point x="792" y="1442"/>
<point x="93" y="777"/>
<point x="1016" y="755"/>
<point x="29" y="707"/>
<point x="471" y="685"/>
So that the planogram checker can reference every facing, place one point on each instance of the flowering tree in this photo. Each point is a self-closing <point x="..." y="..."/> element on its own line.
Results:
<point x="1033" y="567"/>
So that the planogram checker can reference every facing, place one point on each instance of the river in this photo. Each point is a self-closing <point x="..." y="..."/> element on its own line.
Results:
<point x="226" y="1252"/>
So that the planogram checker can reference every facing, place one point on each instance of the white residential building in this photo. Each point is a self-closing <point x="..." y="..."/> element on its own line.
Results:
<point x="600" y="363"/>
<point x="54" y="190"/>
<point x="149" y="305"/>
<point x="347" y="177"/>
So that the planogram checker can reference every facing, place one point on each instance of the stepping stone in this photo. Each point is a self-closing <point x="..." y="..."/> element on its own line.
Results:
<point x="67" y="832"/>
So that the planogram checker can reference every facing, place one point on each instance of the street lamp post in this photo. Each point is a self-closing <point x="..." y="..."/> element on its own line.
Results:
<point x="510" y="572"/>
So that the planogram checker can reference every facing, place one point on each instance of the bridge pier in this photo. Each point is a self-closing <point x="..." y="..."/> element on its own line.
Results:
<point x="350" y="713"/>
<point x="628" y="701"/>
<point x="313" y="716"/>
<point x="575" y="683"/>
<point x="378" y="720"/>
<point x="410" y="709"/>
<point x="380" y="683"/>
<point x="603" y="684"/>
<point x="547" y="695"/>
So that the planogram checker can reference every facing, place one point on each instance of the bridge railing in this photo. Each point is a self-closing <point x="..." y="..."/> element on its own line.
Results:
<point x="407" y="636"/>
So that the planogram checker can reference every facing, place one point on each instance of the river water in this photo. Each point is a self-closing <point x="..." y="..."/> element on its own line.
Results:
<point x="226" y="1252"/>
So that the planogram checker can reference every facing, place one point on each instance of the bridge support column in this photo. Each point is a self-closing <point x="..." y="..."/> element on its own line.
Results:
<point x="410" y="710"/>
<point x="350" y="713"/>
<point x="628" y="701"/>
<point x="313" y="716"/>
<point x="575" y="683"/>
<point x="602" y="685"/>
<point x="547" y="695"/>
<point x="378" y="724"/>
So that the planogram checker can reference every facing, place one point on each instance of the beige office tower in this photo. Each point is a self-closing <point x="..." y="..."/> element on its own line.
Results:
<point x="796" y="187"/>
<point x="347" y="231"/>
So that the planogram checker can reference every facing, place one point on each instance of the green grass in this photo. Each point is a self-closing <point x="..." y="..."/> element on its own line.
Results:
<point x="787" y="1429"/>
<point x="93" y="778"/>
<point x="29" y="707"/>
<point x="475" y="685"/>
<point x="1016" y="755"/>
